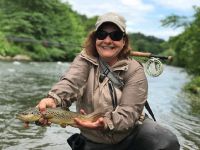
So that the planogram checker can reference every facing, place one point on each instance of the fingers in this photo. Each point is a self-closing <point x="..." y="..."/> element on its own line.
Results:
<point x="78" y="121"/>
<point x="81" y="124"/>
<point x="43" y="104"/>
<point x="43" y="122"/>
<point x="101" y="121"/>
<point x="82" y="111"/>
<point x="99" y="124"/>
<point x="46" y="102"/>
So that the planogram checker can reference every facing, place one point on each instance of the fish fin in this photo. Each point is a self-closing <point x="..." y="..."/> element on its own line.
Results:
<point x="94" y="116"/>
<point x="26" y="124"/>
<point x="100" y="112"/>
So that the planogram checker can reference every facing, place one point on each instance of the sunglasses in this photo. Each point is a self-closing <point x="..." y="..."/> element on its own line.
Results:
<point x="115" y="35"/>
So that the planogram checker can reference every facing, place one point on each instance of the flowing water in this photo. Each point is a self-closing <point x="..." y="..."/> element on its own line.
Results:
<point x="22" y="85"/>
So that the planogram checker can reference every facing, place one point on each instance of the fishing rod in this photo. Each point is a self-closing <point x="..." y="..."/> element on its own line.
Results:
<point x="153" y="67"/>
<point x="149" y="55"/>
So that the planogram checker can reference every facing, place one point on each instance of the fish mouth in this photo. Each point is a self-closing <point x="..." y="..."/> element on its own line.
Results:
<point x="28" y="118"/>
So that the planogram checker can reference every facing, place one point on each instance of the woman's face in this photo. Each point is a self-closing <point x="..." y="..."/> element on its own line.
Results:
<point x="107" y="48"/>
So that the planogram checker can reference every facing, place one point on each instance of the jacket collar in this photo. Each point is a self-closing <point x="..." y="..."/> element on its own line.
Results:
<point x="91" y="59"/>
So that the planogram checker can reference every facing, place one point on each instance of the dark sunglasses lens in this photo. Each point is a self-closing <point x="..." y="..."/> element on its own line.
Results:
<point x="101" y="35"/>
<point x="116" y="35"/>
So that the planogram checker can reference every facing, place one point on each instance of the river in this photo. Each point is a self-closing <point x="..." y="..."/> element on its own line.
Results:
<point x="22" y="85"/>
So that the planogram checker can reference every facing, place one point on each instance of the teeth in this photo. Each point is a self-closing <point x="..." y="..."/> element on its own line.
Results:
<point x="108" y="47"/>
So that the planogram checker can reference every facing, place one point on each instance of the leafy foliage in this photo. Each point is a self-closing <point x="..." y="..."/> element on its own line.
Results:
<point x="143" y="43"/>
<point x="48" y="20"/>
<point x="175" y="21"/>
<point x="49" y="30"/>
<point x="186" y="48"/>
<point x="194" y="85"/>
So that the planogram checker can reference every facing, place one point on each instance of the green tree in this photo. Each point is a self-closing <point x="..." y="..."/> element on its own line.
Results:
<point x="41" y="20"/>
<point x="151" y="44"/>
<point x="186" y="45"/>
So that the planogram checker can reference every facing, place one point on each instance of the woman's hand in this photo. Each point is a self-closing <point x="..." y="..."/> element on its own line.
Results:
<point x="46" y="102"/>
<point x="43" y="104"/>
<point x="99" y="124"/>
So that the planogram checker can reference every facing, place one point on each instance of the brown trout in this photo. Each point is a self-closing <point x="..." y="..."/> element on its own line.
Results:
<point x="56" y="115"/>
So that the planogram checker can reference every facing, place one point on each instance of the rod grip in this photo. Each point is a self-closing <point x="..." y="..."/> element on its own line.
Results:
<point x="140" y="54"/>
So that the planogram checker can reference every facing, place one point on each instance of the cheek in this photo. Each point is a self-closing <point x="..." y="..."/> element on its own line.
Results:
<point x="97" y="43"/>
<point x="120" y="44"/>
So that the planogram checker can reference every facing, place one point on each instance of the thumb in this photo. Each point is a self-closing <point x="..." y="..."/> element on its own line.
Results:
<point x="52" y="103"/>
<point x="101" y="122"/>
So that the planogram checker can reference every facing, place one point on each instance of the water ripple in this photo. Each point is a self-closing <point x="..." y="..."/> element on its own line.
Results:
<point x="22" y="85"/>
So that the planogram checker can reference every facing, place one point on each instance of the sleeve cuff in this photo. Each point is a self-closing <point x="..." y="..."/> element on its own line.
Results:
<point x="108" y="124"/>
<point x="56" y="98"/>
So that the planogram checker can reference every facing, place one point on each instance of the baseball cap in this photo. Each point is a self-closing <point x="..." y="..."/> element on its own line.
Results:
<point x="114" y="18"/>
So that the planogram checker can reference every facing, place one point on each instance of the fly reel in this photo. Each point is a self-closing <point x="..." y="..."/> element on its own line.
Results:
<point x="154" y="67"/>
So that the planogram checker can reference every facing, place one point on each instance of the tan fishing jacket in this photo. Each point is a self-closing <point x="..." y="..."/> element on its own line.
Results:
<point x="81" y="84"/>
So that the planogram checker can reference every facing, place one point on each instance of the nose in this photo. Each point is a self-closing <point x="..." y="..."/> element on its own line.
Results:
<point x="107" y="39"/>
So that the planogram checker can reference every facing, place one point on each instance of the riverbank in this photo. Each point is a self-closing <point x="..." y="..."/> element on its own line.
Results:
<point x="192" y="88"/>
<point x="15" y="58"/>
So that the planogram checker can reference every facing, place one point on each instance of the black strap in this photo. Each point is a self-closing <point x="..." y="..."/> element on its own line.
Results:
<point x="147" y="106"/>
<point x="112" y="94"/>
<point x="107" y="72"/>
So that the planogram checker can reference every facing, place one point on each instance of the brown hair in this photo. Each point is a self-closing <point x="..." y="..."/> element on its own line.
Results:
<point x="90" y="46"/>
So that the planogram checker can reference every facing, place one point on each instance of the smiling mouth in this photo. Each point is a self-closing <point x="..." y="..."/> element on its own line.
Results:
<point x="107" y="47"/>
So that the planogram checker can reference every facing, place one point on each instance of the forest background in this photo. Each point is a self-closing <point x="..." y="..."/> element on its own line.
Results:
<point x="49" y="30"/>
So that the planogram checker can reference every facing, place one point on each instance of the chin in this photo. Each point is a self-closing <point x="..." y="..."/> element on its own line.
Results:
<point x="107" y="54"/>
<point x="107" y="57"/>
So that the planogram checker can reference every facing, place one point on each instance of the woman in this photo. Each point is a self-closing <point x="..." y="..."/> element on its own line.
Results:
<point x="103" y="76"/>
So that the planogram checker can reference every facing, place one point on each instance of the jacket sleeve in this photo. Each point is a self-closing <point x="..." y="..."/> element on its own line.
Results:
<point x="130" y="107"/>
<point x="68" y="89"/>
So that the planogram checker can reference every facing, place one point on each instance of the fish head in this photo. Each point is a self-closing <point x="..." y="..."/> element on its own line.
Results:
<point x="29" y="115"/>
